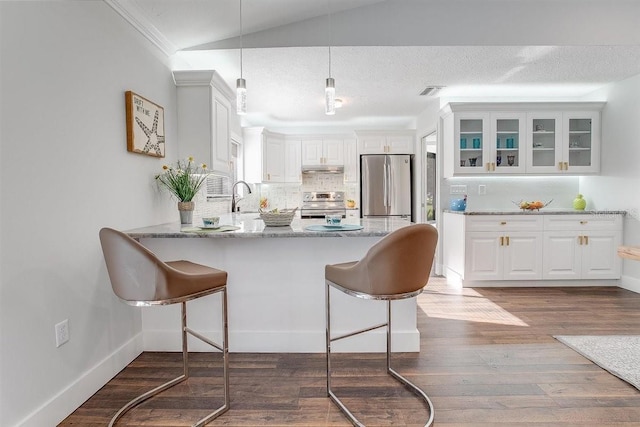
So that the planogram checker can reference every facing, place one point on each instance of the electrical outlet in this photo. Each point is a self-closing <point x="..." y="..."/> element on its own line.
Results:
<point x="458" y="189"/>
<point x="482" y="189"/>
<point x="62" y="332"/>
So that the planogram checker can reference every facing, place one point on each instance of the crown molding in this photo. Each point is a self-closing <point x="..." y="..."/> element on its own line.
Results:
<point x="201" y="78"/>
<point x="136" y="18"/>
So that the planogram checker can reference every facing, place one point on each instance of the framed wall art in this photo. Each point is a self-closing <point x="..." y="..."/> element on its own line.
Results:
<point x="145" y="125"/>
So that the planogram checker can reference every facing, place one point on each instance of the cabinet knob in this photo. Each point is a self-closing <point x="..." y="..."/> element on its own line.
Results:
<point x="583" y="222"/>
<point x="503" y="222"/>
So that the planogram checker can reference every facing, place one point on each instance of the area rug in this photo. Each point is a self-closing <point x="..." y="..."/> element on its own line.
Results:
<point x="618" y="354"/>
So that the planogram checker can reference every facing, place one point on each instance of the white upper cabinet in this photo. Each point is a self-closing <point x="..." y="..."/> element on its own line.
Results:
<point x="351" y="161"/>
<point x="292" y="161"/>
<point x="273" y="159"/>
<point x="204" y="113"/>
<point x="386" y="142"/>
<point x="513" y="138"/>
<point x="564" y="142"/>
<point x="324" y="151"/>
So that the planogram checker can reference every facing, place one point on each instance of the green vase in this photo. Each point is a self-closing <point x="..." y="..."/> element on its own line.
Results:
<point x="579" y="203"/>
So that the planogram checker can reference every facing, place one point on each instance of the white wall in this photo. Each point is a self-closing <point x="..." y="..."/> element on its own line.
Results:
<point x="64" y="174"/>
<point x="617" y="185"/>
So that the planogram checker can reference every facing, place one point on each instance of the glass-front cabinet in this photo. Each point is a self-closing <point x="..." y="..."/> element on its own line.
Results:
<point x="490" y="143"/>
<point x="544" y="142"/>
<point x="509" y="132"/>
<point x="521" y="138"/>
<point x="472" y="133"/>
<point x="582" y="142"/>
<point x="566" y="142"/>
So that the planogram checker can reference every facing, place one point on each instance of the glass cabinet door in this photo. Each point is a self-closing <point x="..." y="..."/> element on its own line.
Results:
<point x="544" y="144"/>
<point x="509" y="153"/>
<point x="581" y="141"/>
<point x="471" y="144"/>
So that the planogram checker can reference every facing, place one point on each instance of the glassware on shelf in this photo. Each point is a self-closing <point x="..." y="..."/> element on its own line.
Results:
<point x="476" y="142"/>
<point x="463" y="143"/>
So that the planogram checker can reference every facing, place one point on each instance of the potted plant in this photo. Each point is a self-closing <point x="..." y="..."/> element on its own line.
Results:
<point x="184" y="182"/>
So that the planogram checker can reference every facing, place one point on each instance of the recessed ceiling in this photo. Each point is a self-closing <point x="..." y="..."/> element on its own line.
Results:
<point x="384" y="53"/>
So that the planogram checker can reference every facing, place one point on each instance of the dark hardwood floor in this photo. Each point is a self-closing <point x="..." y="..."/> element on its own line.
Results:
<point x="488" y="358"/>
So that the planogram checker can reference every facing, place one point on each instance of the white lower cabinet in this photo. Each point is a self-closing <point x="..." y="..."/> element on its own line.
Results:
<point x="500" y="251"/>
<point x="531" y="247"/>
<point x="582" y="247"/>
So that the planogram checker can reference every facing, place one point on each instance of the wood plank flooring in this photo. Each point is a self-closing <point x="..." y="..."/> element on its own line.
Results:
<point x="488" y="358"/>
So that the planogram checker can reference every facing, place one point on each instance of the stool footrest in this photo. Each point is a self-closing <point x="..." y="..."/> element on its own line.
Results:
<point x="362" y="331"/>
<point x="203" y="339"/>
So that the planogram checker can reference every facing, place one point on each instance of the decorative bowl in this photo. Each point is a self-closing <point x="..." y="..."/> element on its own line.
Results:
<point x="278" y="218"/>
<point x="532" y="206"/>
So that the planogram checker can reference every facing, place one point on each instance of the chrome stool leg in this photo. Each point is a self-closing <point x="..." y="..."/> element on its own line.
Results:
<point x="415" y="389"/>
<point x="225" y="357"/>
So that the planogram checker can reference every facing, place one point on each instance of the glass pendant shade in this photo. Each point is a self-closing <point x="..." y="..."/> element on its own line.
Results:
<point x="330" y="97"/>
<point x="241" y="96"/>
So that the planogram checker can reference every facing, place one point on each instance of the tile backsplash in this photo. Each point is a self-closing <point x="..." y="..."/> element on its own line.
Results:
<point x="281" y="195"/>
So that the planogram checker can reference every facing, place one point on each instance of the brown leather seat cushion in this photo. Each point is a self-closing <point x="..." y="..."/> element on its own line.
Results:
<point x="397" y="264"/>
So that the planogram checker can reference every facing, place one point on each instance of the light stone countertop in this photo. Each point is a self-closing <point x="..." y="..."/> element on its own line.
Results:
<point x="251" y="226"/>
<point x="540" y="212"/>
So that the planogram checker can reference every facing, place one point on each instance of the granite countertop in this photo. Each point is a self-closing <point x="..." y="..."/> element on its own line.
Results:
<point x="251" y="226"/>
<point x="540" y="212"/>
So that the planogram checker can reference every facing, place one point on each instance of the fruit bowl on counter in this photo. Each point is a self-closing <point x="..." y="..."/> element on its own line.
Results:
<point x="278" y="217"/>
<point x="535" y="205"/>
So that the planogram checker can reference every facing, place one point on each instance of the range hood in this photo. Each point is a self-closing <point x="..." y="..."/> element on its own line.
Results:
<point x="322" y="169"/>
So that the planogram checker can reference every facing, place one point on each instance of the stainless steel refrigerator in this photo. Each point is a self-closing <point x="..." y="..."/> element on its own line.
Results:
<point x="386" y="185"/>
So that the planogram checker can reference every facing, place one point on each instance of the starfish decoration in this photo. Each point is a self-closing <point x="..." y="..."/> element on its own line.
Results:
<point x="154" y="140"/>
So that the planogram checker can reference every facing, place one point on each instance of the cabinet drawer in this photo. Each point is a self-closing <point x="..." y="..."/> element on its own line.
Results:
<point x="503" y="223"/>
<point x="583" y="222"/>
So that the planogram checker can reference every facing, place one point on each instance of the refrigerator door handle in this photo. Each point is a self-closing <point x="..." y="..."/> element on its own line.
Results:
<point x="389" y="184"/>
<point x="385" y="190"/>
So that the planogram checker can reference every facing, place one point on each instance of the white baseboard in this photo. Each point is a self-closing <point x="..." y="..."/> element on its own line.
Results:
<point x="286" y="342"/>
<point x="68" y="400"/>
<point x="630" y="283"/>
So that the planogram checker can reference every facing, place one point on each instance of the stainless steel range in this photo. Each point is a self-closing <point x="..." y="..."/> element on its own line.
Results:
<point x="316" y="204"/>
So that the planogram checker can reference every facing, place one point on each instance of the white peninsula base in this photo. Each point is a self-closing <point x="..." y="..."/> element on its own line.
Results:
<point x="276" y="296"/>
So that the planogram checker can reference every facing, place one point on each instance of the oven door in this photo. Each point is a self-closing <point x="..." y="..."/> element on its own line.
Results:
<point x="320" y="213"/>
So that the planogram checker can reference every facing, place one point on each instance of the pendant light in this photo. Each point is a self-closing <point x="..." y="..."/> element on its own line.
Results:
<point x="241" y="84"/>
<point x="330" y="84"/>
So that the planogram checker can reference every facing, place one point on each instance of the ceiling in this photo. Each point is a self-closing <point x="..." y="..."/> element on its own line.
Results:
<point x="385" y="52"/>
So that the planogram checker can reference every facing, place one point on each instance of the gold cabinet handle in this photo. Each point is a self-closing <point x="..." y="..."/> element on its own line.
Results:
<point x="493" y="167"/>
<point x="583" y="222"/>
<point x="507" y="240"/>
<point x="560" y="165"/>
<point x="503" y="222"/>
<point x="488" y="166"/>
<point x="586" y="240"/>
<point x="566" y="166"/>
<point x="501" y="241"/>
<point x="580" y="239"/>
<point x="268" y="177"/>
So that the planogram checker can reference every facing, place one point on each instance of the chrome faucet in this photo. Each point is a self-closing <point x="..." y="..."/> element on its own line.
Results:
<point x="234" y="201"/>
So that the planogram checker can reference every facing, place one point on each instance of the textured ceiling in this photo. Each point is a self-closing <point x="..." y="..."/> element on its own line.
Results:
<point x="380" y="59"/>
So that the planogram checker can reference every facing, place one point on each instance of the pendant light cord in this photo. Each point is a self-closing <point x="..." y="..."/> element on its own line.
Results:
<point x="240" y="38"/>
<point x="329" y="20"/>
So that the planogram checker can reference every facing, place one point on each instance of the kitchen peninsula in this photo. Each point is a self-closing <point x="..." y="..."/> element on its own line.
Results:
<point x="276" y="286"/>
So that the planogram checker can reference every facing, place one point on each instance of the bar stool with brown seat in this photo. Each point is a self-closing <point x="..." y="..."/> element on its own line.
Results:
<point x="396" y="267"/>
<point x="139" y="278"/>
